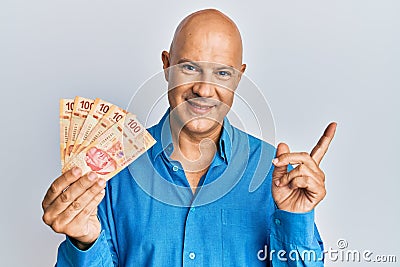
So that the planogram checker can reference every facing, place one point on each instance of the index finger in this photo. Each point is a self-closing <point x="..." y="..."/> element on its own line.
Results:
<point x="321" y="147"/>
<point x="59" y="185"/>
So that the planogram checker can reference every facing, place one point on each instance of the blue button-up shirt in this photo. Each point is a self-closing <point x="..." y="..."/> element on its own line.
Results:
<point x="150" y="217"/>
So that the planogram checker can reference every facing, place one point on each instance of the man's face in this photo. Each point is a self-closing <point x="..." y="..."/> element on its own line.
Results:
<point x="205" y="71"/>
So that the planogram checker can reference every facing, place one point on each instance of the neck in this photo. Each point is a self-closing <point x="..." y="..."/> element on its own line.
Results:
<point x="194" y="150"/>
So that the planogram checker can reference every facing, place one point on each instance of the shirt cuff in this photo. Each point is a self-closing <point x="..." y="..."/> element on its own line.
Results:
<point x="94" y="256"/>
<point x="293" y="228"/>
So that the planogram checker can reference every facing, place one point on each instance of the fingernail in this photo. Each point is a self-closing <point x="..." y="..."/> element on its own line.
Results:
<point x="102" y="182"/>
<point x="103" y="191"/>
<point x="76" y="171"/>
<point x="277" y="182"/>
<point x="275" y="161"/>
<point x="92" y="176"/>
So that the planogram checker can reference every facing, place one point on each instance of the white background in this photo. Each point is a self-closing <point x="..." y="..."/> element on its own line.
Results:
<point x="315" y="61"/>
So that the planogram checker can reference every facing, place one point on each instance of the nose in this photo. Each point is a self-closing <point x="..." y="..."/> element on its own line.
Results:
<point x="204" y="89"/>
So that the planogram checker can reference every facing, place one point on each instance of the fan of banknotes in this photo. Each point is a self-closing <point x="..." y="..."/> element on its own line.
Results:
<point x="98" y="136"/>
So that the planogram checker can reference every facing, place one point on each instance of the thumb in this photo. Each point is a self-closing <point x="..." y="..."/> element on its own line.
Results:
<point x="282" y="149"/>
<point x="281" y="170"/>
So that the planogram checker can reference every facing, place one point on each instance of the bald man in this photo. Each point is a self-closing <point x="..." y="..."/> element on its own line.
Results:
<point x="187" y="201"/>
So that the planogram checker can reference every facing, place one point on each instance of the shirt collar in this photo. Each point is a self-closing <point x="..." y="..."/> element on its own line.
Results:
<point x="162" y="133"/>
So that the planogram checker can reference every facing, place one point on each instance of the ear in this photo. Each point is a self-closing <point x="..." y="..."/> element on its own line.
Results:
<point x="242" y="70"/>
<point x="166" y="63"/>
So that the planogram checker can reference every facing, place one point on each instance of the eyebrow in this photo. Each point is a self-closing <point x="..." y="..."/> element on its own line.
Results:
<point x="186" y="60"/>
<point x="227" y="67"/>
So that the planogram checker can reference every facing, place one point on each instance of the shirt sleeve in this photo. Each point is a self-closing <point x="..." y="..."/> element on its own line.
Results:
<point x="295" y="240"/>
<point x="102" y="253"/>
<point x="97" y="255"/>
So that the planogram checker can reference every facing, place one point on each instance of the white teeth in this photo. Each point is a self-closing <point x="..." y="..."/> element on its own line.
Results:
<point x="199" y="107"/>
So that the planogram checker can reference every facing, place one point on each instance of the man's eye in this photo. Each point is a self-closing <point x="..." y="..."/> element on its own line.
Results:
<point x="189" y="67"/>
<point x="224" y="73"/>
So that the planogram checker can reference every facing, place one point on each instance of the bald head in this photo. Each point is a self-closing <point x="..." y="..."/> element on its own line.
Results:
<point x="201" y="93"/>
<point x="207" y="35"/>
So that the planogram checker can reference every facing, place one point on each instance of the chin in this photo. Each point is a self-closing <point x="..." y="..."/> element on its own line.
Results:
<point x="201" y="125"/>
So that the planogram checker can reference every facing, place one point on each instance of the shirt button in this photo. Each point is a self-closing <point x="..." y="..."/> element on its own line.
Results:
<point x="192" y="209"/>
<point x="175" y="168"/>
<point x="192" y="255"/>
<point x="277" y="222"/>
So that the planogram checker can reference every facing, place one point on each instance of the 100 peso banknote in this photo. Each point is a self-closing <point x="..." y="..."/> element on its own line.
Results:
<point x="66" y="108"/>
<point x="81" y="109"/>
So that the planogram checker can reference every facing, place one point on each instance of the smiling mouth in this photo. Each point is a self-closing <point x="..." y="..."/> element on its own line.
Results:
<point x="200" y="108"/>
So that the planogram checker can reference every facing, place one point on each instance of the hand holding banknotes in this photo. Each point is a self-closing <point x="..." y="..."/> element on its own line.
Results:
<point x="70" y="206"/>
<point x="97" y="140"/>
